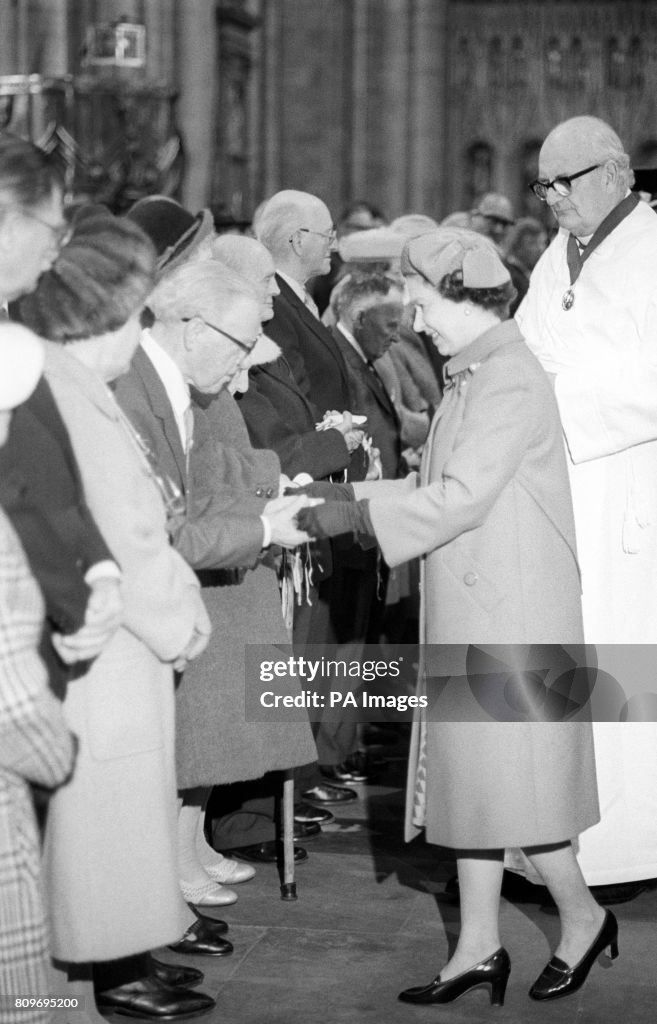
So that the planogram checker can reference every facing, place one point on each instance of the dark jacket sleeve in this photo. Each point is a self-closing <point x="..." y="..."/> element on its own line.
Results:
<point x="317" y="452"/>
<point x="41" y="492"/>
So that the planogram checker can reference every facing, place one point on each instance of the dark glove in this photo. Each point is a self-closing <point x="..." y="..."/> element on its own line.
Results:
<point x="326" y="490"/>
<point x="334" y="518"/>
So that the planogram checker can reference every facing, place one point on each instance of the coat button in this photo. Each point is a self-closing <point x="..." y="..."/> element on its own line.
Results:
<point x="269" y="492"/>
<point x="259" y="492"/>
<point x="470" y="579"/>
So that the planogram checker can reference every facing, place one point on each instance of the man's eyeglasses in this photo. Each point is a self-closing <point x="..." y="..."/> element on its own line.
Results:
<point x="329" y="236"/>
<point x="562" y="185"/>
<point x="61" y="233"/>
<point x="246" y="346"/>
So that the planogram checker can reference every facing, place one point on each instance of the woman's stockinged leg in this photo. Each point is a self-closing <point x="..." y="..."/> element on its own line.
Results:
<point x="480" y="881"/>
<point x="580" y="915"/>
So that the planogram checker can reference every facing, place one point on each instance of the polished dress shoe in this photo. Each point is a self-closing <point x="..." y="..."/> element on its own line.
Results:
<point x="325" y="794"/>
<point x="267" y="853"/>
<point x="176" y="975"/>
<point x="352" y="770"/>
<point x="306" y="829"/>
<point x="209" y="925"/>
<point x="494" y="971"/>
<point x="208" y="894"/>
<point x="201" y="939"/>
<point x="558" y="979"/>
<point x="149" y="999"/>
<point x="229" y="872"/>
<point x="305" y="813"/>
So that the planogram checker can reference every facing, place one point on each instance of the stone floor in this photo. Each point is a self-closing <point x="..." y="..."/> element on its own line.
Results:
<point x="370" y="920"/>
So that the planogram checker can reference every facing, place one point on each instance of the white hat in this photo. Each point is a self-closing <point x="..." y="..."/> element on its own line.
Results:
<point x="21" y="364"/>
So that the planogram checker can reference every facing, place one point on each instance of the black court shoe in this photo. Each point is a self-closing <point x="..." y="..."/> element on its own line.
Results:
<point x="493" y="971"/>
<point x="558" y="979"/>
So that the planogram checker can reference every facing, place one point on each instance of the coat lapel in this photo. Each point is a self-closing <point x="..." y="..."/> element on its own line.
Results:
<point x="312" y="323"/>
<point x="161" y="406"/>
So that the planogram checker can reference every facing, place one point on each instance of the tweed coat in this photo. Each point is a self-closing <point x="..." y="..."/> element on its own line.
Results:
<point x="35" y="746"/>
<point x="493" y="520"/>
<point x="214" y="743"/>
<point x="41" y="491"/>
<point x="110" y="854"/>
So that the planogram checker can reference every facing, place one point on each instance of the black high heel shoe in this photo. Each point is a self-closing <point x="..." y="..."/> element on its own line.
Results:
<point x="493" y="971"/>
<point x="558" y="979"/>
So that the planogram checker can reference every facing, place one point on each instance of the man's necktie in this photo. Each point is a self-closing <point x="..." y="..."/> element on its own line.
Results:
<point x="309" y="302"/>
<point x="188" y="418"/>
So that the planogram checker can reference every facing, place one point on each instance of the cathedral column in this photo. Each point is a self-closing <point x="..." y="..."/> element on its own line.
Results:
<point x="427" y="101"/>
<point x="196" y="60"/>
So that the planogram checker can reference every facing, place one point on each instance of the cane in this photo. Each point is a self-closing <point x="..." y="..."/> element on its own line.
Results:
<point x="289" y="886"/>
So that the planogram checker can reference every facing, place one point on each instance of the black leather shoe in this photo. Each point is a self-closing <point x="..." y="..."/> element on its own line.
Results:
<point x="558" y="979"/>
<point x="493" y="971"/>
<point x="209" y="925"/>
<point x="306" y="829"/>
<point x="266" y="853"/>
<point x="149" y="999"/>
<point x="304" y="813"/>
<point x="176" y="975"/>
<point x="353" y="770"/>
<point x="201" y="939"/>
<point x="325" y="794"/>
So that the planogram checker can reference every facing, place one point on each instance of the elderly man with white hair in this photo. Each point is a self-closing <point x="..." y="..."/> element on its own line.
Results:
<point x="590" y="315"/>
<point x="206" y="322"/>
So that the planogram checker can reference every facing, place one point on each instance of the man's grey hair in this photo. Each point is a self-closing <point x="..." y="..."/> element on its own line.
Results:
<point x="284" y="213"/>
<point x="198" y="288"/>
<point x="245" y="256"/>
<point x="602" y="142"/>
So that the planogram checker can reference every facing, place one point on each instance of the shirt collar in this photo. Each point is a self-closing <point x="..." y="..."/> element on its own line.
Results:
<point x="352" y="341"/>
<point x="295" y="285"/>
<point x="172" y="379"/>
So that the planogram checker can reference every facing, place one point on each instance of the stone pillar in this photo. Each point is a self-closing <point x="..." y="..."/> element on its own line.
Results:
<point x="49" y="27"/>
<point x="359" y="98"/>
<point x="196" y="59"/>
<point x="266" y="119"/>
<point x="394" y="114"/>
<point x="9" y="38"/>
<point x="427" y="100"/>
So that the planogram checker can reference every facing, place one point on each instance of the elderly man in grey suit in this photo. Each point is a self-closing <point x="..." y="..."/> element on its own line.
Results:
<point x="206" y="320"/>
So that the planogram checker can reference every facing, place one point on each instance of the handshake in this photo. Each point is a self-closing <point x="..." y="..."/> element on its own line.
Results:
<point x="334" y="511"/>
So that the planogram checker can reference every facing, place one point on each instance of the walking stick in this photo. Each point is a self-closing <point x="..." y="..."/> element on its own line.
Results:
<point x="289" y="886"/>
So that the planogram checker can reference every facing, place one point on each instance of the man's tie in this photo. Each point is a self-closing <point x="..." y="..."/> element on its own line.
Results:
<point x="188" y="417"/>
<point x="309" y="302"/>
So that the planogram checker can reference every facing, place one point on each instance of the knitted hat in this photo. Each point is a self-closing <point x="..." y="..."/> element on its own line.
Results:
<point x="21" y="364"/>
<point x="441" y="252"/>
<point x="99" y="280"/>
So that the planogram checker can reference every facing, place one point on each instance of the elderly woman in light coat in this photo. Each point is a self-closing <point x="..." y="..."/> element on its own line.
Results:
<point x="492" y="518"/>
